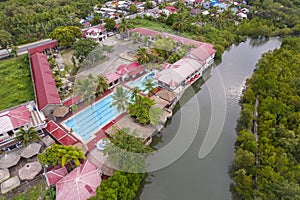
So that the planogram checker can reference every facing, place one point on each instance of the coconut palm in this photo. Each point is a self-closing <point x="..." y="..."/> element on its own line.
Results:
<point x="120" y="99"/>
<point x="124" y="26"/>
<point x="181" y="23"/>
<point x="27" y="136"/>
<point x="145" y="41"/>
<point x="102" y="85"/>
<point x="86" y="88"/>
<point x="149" y="85"/>
<point x="143" y="56"/>
<point x="136" y="90"/>
<point x="135" y="37"/>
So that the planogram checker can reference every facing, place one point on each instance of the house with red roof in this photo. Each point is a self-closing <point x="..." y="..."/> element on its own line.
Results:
<point x="44" y="48"/>
<point x="46" y="95"/>
<point x="170" y="10"/>
<point x="130" y="71"/>
<point x="22" y="116"/>
<point x="97" y="34"/>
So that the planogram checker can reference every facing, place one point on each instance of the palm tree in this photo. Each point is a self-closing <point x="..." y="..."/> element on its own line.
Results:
<point x="135" y="38"/>
<point x="27" y="136"/>
<point x="145" y="41"/>
<point x="124" y="26"/>
<point x="181" y="23"/>
<point x="102" y="85"/>
<point x="69" y="153"/>
<point x="86" y="88"/>
<point x="120" y="99"/>
<point x="149" y="86"/>
<point x="136" y="90"/>
<point x="143" y="56"/>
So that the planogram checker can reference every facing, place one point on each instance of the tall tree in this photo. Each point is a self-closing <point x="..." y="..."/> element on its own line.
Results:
<point x="149" y="86"/>
<point x="83" y="47"/>
<point x="109" y="24"/>
<point x="135" y="37"/>
<point x="143" y="56"/>
<point x="27" y="136"/>
<point x="66" y="36"/>
<point x="132" y="8"/>
<point x="124" y="26"/>
<point x="120" y="99"/>
<point x="86" y="87"/>
<point x="5" y="39"/>
<point x="102" y="85"/>
<point x="127" y="151"/>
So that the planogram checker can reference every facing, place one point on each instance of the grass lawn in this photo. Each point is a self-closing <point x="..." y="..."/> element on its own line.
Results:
<point x="157" y="26"/>
<point x="15" y="80"/>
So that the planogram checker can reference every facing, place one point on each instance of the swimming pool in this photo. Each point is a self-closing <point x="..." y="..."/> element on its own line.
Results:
<point x="139" y="82"/>
<point x="90" y="120"/>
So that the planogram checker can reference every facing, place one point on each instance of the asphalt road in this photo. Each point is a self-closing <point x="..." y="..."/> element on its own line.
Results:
<point x="23" y="49"/>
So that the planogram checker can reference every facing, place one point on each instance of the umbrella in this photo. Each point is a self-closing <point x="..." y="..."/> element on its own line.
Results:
<point x="80" y="184"/>
<point x="4" y="174"/>
<point x="47" y="140"/>
<point x="82" y="146"/>
<point x="54" y="175"/>
<point x="30" y="170"/>
<point x="61" y="111"/>
<point x="10" y="184"/>
<point x="31" y="150"/>
<point x="9" y="160"/>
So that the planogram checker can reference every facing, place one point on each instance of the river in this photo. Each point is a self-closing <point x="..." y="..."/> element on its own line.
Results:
<point x="191" y="177"/>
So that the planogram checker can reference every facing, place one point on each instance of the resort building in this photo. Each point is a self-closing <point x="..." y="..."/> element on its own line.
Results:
<point x="23" y="116"/>
<point x="97" y="34"/>
<point x="176" y="77"/>
<point x="46" y="95"/>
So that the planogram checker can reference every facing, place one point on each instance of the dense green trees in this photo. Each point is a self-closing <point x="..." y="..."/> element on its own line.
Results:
<point x="86" y="87"/>
<point x="269" y="168"/>
<point x="102" y="85"/>
<point x="28" y="21"/>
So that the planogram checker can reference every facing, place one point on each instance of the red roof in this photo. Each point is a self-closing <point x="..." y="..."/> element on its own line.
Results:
<point x="172" y="9"/>
<point x="124" y="69"/>
<point x="44" y="85"/>
<point x="73" y="100"/>
<point x="79" y="184"/>
<point x="55" y="175"/>
<point x="14" y="118"/>
<point x="136" y="71"/>
<point x="43" y="47"/>
<point x="203" y="52"/>
<point x="59" y="134"/>
<point x="67" y="140"/>
<point x="51" y="126"/>
<point x="111" y="77"/>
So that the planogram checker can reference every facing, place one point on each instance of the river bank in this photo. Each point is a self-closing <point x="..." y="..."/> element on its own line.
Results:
<point x="206" y="178"/>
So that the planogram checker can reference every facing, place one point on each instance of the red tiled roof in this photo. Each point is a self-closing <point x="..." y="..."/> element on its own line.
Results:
<point x="55" y="175"/>
<point x="124" y="69"/>
<point x="43" y="47"/>
<point x="121" y="70"/>
<point x="136" y="71"/>
<point x="73" y="100"/>
<point x="79" y="184"/>
<point x="44" y="85"/>
<point x="111" y="77"/>
<point x="51" y="126"/>
<point x="202" y="52"/>
<point x="58" y="133"/>
<point x="14" y="118"/>
<point x="172" y="9"/>
<point x="67" y="140"/>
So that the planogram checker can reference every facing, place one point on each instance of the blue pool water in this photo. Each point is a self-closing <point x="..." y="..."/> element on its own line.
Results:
<point x="139" y="82"/>
<point x="93" y="118"/>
